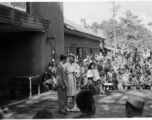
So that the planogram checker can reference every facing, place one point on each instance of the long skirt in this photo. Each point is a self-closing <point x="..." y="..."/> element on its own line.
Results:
<point x="90" y="80"/>
<point x="71" y="90"/>
<point x="62" y="98"/>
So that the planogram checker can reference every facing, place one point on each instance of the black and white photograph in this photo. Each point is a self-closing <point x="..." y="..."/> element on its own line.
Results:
<point x="75" y="59"/>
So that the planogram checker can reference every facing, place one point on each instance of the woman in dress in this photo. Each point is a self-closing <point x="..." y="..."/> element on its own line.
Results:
<point x="71" y="70"/>
<point x="90" y="75"/>
<point x="94" y="78"/>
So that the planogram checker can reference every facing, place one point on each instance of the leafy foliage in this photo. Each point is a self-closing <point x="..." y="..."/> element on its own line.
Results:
<point x="128" y="29"/>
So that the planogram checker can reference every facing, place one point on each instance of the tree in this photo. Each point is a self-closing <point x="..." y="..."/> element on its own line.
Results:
<point x="114" y="10"/>
<point x="95" y="27"/>
<point x="107" y="27"/>
<point x="131" y="24"/>
<point x="150" y="24"/>
<point x="129" y="30"/>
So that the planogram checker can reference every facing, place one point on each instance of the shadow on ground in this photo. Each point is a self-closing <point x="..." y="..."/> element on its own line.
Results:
<point x="110" y="106"/>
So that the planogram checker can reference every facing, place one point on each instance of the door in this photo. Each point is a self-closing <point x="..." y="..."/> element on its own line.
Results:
<point x="67" y="50"/>
<point x="79" y="53"/>
<point x="84" y="53"/>
<point x="87" y="51"/>
<point x="72" y="50"/>
<point x="91" y="51"/>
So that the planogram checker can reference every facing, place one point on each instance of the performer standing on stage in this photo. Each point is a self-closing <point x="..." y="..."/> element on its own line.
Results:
<point x="62" y="85"/>
<point x="71" y="70"/>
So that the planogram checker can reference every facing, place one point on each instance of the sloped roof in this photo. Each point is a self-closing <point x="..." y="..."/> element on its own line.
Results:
<point x="75" y="27"/>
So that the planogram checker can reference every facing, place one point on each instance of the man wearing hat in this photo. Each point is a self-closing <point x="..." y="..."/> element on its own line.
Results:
<point x="134" y="106"/>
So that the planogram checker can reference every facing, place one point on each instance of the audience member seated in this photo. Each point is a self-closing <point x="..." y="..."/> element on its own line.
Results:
<point x="115" y="81"/>
<point x="128" y="83"/>
<point x="147" y="69"/>
<point x="134" y="107"/>
<point x="43" y="114"/>
<point x="146" y="81"/>
<point x="50" y="77"/>
<point x="86" y="103"/>
<point x="137" y="81"/>
<point x="81" y="74"/>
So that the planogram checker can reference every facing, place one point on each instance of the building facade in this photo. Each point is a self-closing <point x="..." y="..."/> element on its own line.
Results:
<point x="79" y="40"/>
<point x="28" y="37"/>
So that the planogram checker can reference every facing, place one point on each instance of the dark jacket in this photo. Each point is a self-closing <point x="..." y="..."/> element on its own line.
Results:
<point x="61" y="76"/>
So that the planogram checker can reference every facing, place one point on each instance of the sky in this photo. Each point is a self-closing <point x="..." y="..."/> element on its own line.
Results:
<point x="101" y="10"/>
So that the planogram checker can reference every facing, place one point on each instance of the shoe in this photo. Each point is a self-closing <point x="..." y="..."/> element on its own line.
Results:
<point x="62" y="112"/>
<point x="67" y="109"/>
<point x="75" y="109"/>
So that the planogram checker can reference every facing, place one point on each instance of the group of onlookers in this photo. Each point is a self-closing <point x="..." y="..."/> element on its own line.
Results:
<point x="130" y="70"/>
<point x="125" y="70"/>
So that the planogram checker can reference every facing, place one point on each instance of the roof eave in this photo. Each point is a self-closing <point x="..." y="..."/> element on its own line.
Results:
<point x="76" y="32"/>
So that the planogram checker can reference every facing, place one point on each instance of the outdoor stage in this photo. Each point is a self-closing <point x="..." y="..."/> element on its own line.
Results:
<point x="110" y="106"/>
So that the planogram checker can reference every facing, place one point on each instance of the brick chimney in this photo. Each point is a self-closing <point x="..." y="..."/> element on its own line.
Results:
<point x="83" y="22"/>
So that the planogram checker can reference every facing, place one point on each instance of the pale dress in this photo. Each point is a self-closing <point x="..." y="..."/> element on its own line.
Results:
<point x="70" y="70"/>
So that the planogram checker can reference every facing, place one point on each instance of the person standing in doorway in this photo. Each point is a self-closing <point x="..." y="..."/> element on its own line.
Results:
<point x="62" y="85"/>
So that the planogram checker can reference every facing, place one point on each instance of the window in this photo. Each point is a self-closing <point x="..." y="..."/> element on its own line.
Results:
<point x="53" y="52"/>
<point x="66" y="50"/>
<point x="91" y="51"/>
<point x="80" y="53"/>
<point x="84" y="53"/>
<point x="87" y="51"/>
<point x="72" y="50"/>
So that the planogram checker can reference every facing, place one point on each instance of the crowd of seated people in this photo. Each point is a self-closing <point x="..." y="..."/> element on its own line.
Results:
<point x="125" y="70"/>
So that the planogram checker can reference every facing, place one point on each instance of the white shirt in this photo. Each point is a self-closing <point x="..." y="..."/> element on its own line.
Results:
<point x="125" y="78"/>
<point x="89" y="73"/>
<point x="70" y="68"/>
